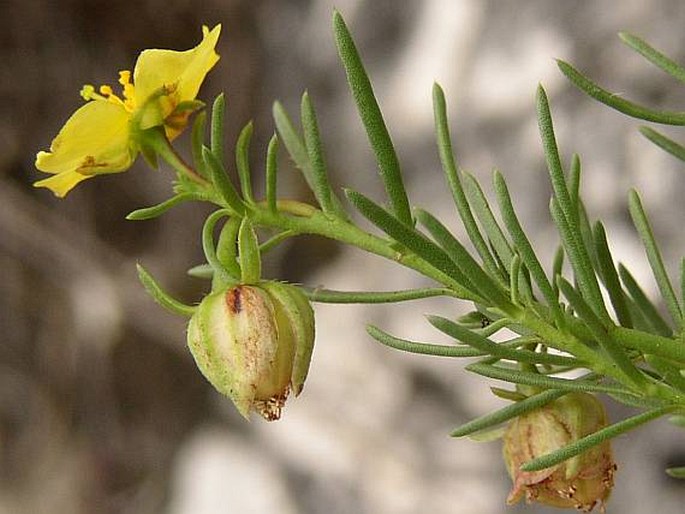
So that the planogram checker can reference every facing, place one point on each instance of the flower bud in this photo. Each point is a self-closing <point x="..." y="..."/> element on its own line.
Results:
<point x="254" y="344"/>
<point x="580" y="482"/>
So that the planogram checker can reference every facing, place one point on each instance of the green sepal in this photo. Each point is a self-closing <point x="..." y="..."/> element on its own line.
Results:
<point x="301" y="320"/>
<point x="583" y="444"/>
<point x="188" y="106"/>
<point x="226" y="250"/>
<point x="248" y="254"/>
<point x="150" y="156"/>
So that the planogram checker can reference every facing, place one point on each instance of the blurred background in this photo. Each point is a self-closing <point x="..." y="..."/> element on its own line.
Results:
<point x="102" y="408"/>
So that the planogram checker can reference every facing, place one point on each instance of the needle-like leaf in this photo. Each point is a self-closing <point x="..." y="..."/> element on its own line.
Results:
<point x="372" y="118"/>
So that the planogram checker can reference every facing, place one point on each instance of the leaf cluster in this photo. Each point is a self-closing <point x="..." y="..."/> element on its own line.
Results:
<point x="585" y="326"/>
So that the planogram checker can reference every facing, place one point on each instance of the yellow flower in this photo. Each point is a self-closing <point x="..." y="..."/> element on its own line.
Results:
<point x="101" y="136"/>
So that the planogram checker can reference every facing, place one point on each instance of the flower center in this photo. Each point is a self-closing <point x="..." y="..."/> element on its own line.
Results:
<point x="107" y="94"/>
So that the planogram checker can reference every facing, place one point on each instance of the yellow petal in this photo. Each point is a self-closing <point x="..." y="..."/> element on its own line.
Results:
<point x="94" y="140"/>
<point x="181" y="72"/>
<point x="62" y="183"/>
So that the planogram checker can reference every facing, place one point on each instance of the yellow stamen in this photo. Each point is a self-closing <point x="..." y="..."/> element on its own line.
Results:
<point x="88" y="93"/>
<point x="109" y="95"/>
<point x="128" y="89"/>
<point x="106" y="93"/>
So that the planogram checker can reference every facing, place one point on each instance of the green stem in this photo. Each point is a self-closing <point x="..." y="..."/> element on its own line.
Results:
<point x="160" y="144"/>
<point x="305" y="219"/>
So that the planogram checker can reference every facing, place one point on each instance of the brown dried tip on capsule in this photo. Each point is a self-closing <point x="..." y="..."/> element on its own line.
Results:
<point x="254" y="344"/>
<point x="581" y="482"/>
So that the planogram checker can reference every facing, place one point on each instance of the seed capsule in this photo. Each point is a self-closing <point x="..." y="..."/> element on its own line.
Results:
<point x="254" y="344"/>
<point x="581" y="482"/>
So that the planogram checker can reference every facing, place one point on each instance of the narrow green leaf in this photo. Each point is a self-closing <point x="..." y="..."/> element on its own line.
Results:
<point x="557" y="267"/>
<point x="586" y="234"/>
<point x="578" y="256"/>
<point x="242" y="161"/>
<point x="483" y="344"/>
<point x="330" y="296"/>
<point x="524" y="248"/>
<point x="616" y="102"/>
<point x="492" y="327"/>
<point x="157" y="210"/>
<point x="297" y="150"/>
<point x="274" y="241"/>
<point x="650" y="343"/>
<point x="452" y="175"/>
<point x="600" y="334"/>
<point x="271" y="173"/>
<point x="488" y="436"/>
<point x="508" y="394"/>
<point x="665" y="143"/>
<point x="638" y="402"/>
<point x="643" y="227"/>
<point x="222" y="183"/>
<point x="467" y="264"/>
<point x="312" y="141"/>
<point x="514" y="278"/>
<point x="417" y="243"/>
<point x="491" y="227"/>
<point x="676" y="472"/>
<point x="551" y="150"/>
<point x="574" y="183"/>
<point x="537" y="380"/>
<point x="197" y="140"/>
<point x="642" y="303"/>
<point x="293" y="142"/>
<point x="160" y="296"/>
<point x="610" y="276"/>
<point x="669" y="371"/>
<point x="587" y="442"/>
<point x="509" y="412"/>
<point x="371" y="117"/>
<point x="248" y="254"/>
<point x="203" y="271"/>
<point x="654" y="56"/>
<point x="437" y="350"/>
<point x="217" y="130"/>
